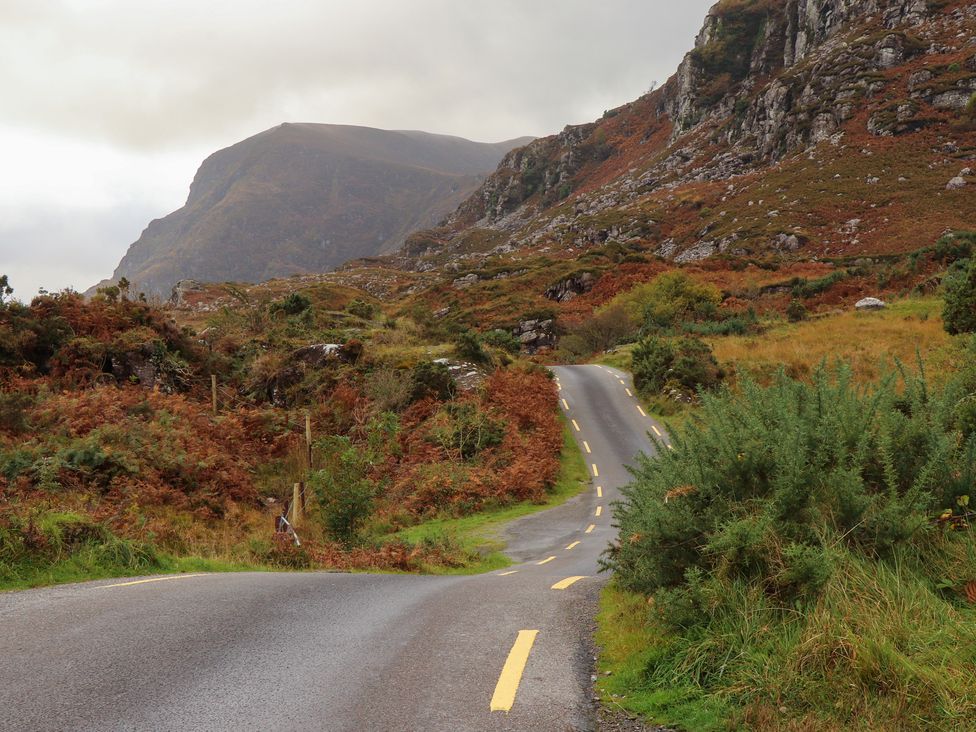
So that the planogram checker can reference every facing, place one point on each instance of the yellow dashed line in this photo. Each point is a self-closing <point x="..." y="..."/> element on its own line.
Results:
<point x="508" y="682"/>
<point x="505" y="574"/>
<point x="546" y="560"/>
<point x="590" y="528"/>
<point x="574" y="544"/>
<point x="599" y="510"/>
<point x="599" y="491"/>
<point x="629" y="393"/>
<point x="566" y="405"/>
<point x="639" y="409"/>
<point x="563" y="584"/>
<point x="586" y="446"/>
<point x="146" y="581"/>
<point x="575" y="425"/>
<point x="596" y="472"/>
<point x="656" y="430"/>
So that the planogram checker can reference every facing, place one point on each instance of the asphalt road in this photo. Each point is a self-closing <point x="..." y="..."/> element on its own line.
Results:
<point x="324" y="651"/>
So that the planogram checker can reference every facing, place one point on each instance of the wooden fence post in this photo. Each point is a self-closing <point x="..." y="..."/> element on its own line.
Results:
<point x="296" y="504"/>
<point x="213" y="392"/>
<point x="308" y="439"/>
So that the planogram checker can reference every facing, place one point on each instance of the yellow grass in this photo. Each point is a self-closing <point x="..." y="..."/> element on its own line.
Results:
<point x="870" y="341"/>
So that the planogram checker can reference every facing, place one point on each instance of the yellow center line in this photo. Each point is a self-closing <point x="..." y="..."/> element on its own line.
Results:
<point x="596" y="472"/>
<point x="589" y="528"/>
<point x="599" y="510"/>
<point x="146" y="581"/>
<point x="599" y="491"/>
<point x="508" y="682"/>
<point x="629" y="393"/>
<point x="505" y="574"/>
<point x="639" y="409"/>
<point x="546" y="560"/>
<point x="586" y="445"/>
<point x="566" y="405"/>
<point x="656" y="430"/>
<point x="576" y="425"/>
<point x="574" y="544"/>
<point x="563" y="584"/>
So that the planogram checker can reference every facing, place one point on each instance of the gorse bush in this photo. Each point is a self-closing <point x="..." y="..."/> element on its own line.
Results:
<point x="770" y="481"/>
<point x="295" y="304"/>
<point x="432" y="380"/>
<point x="468" y="347"/>
<point x="686" y="364"/>
<point x="959" y="313"/>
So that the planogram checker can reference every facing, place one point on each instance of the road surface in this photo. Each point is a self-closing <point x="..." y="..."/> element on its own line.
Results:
<point x="508" y="650"/>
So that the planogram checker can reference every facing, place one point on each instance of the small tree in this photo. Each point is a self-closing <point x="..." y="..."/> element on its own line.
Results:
<point x="5" y="290"/>
<point x="959" y="313"/>
<point x="344" y="492"/>
<point x="124" y="286"/>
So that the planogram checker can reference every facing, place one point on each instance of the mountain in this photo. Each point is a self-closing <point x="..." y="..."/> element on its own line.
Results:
<point x="306" y="198"/>
<point x="795" y="129"/>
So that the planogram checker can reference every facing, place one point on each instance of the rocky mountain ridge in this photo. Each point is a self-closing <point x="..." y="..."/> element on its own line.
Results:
<point x="770" y="85"/>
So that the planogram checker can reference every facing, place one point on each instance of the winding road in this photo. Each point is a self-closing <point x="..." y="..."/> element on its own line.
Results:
<point x="508" y="650"/>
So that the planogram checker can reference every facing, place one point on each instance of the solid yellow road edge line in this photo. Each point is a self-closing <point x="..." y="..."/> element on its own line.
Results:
<point x="576" y="425"/>
<point x="575" y="543"/>
<point x="596" y="472"/>
<point x="589" y="528"/>
<point x="599" y="510"/>
<point x="563" y="584"/>
<point x="546" y="560"/>
<point x="146" y="581"/>
<point x="587" y="446"/>
<point x="508" y="682"/>
<point x="599" y="491"/>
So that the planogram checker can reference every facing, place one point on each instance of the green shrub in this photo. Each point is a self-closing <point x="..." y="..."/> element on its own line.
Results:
<point x="361" y="309"/>
<point x="502" y="339"/>
<point x="430" y="379"/>
<point x="959" y="312"/>
<point x="468" y="430"/>
<point x="772" y="480"/>
<point x="686" y="363"/>
<point x="295" y="304"/>
<point x="810" y="288"/>
<point x="674" y="298"/>
<point x="796" y="311"/>
<point x="345" y="494"/>
<point x="468" y="348"/>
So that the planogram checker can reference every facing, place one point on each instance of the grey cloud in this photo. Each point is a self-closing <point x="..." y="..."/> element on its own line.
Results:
<point x="162" y="72"/>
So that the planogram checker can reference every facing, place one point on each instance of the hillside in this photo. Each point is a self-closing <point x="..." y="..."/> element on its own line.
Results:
<point x="306" y="198"/>
<point x="794" y="140"/>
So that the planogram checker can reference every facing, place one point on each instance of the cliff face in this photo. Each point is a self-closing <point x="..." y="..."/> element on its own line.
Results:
<point x="770" y="86"/>
<point x="306" y="198"/>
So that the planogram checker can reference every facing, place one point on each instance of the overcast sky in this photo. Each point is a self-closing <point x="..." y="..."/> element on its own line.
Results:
<point x="107" y="107"/>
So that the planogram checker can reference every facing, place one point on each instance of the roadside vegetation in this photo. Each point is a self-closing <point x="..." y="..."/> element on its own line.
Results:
<point x="112" y="460"/>
<point x="805" y="557"/>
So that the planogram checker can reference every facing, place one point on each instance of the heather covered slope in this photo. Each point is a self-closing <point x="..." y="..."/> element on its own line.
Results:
<point x="306" y="198"/>
<point x="793" y="129"/>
